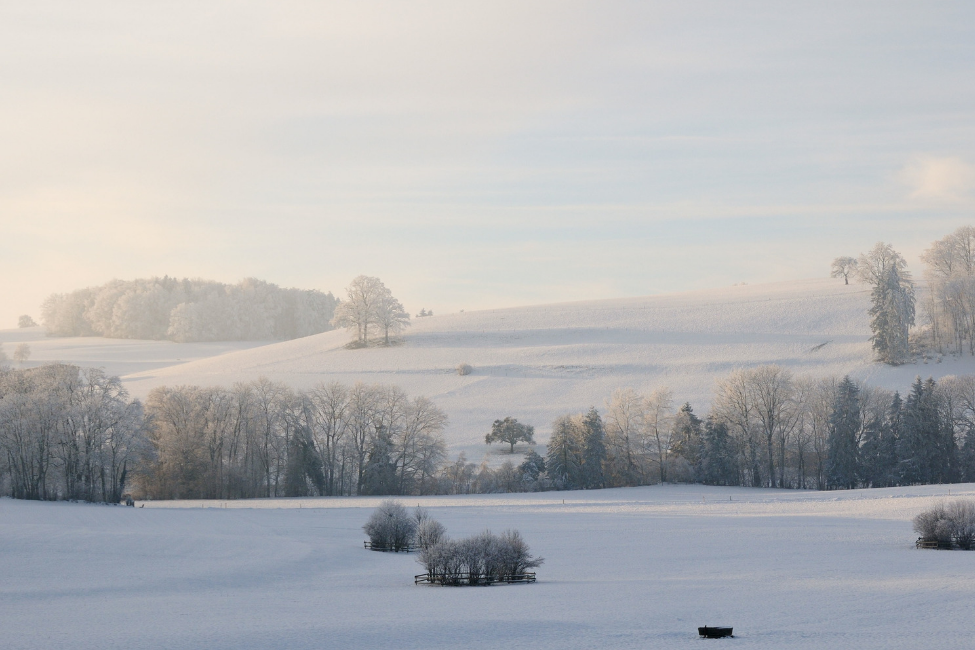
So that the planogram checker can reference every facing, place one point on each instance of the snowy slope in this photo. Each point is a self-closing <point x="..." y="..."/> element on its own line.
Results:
<point x="535" y="363"/>
<point x="115" y="356"/>
<point x="624" y="568"/>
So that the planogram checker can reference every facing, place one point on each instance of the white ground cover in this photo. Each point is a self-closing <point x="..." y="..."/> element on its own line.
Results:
<point x="625" y="568"/>
<point x="114" y="356"/>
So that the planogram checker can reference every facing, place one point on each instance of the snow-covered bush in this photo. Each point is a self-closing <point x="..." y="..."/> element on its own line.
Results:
<point x="481" y="559"/>
<point x="390" y="527"/>
<point x="961" y="514"/>
<point x="948" y="524"/>
<point x="429" y="532"/>
<point x="464" y="369"/>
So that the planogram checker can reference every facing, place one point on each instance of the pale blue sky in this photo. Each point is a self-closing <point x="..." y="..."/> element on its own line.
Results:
<point x="477" y="154"/>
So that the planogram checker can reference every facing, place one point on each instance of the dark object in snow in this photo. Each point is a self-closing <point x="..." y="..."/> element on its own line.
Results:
<point x="129" y="501"/>
<point x="714" y="632"/>
<point x="458" y="579"/>
<point x="389" y="549"/>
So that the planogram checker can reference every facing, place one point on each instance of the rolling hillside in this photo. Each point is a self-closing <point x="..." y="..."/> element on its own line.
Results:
<point x="538" y="362"/>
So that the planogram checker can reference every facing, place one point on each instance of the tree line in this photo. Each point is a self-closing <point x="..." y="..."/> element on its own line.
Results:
<point x="72" y="433"/>
<point x="189" y="310"/>
<point x="768" y="428"/>
<point x="67" y="433"/>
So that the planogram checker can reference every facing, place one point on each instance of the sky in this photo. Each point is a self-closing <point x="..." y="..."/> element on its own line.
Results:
<point x="477" y="154"/>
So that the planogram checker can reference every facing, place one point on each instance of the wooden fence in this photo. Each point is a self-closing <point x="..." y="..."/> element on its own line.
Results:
<point x="945" y="545"/>
<point x="459" y="579"/>
<point x="388" y="549"/>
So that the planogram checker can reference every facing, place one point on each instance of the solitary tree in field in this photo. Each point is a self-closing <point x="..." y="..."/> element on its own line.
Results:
<point x="369" y="302"/>
<point x="511" y="431"/>
<point x="22" y="353"/>
<point x="26" y="321"/>
<point x="843" y="267"/>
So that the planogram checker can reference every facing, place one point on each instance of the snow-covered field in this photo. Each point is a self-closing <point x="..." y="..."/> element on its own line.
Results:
<point x="116" y="356"/>
<point x="624" y="568"/>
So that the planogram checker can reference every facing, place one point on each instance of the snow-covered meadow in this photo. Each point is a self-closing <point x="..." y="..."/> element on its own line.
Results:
<point x="624" y="568"/>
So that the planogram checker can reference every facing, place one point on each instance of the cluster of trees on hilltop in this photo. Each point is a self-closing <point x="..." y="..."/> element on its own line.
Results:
<point x="67" y="433"/>
<point x="370" y="303"/>
<point x="769" y="428"/>
<point x="189" y="310"/>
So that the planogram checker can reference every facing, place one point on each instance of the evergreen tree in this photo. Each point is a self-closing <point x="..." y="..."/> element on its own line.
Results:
<point x="685" y="441"/>
<point x="379" y="475"/>
<point x="593" y="449"/>
<point x="887" y="461"/>
<point x="532" y="467"/>
<point x="927" y="446"/>
<point x="564" y="459"/>
<point x="717" y="463"/>
<point x="842" y="464"/>
<point x="892" y="313"/>
<point x="966" y="456"/>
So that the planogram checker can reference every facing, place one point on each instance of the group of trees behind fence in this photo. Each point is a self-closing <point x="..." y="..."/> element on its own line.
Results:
<point x="392" y="528"/>
<point x="948" y="525"/>
<point x="67" y="433"/>
<point x="480" y="559"/>
<point x="189" y="310"/>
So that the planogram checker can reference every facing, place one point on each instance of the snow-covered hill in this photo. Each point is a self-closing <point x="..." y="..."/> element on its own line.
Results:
<point x="535" y="363"/>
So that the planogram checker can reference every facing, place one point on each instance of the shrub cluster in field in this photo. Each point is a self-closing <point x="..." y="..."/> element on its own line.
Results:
<point x="948" y="524"/>
<point x="392" y="528"/>
<point x="481" y="559"/>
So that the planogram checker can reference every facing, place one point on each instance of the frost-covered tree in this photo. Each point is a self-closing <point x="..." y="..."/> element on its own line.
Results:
<point x="892" y="295"/>
<point x="718" y="464"/>
<point x="843" y="267"/>
<point x="625" y="458"/>
<point x="22" y="353"/>
<point x="845" y="432"/>
<point x="564" y="458"/>
<point x="593" y="449"/>
<point x="532" y="467"/>
<point x="657" y="424"/>
<point x="369" y="302"/>
<point x="685" y="439"/>
<point x="66" y="433"/>
<point x="391" y="527"/>
<point x="510" y="431"/>
<point x="390" y="315"/>
<point x="26" y="321"/>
